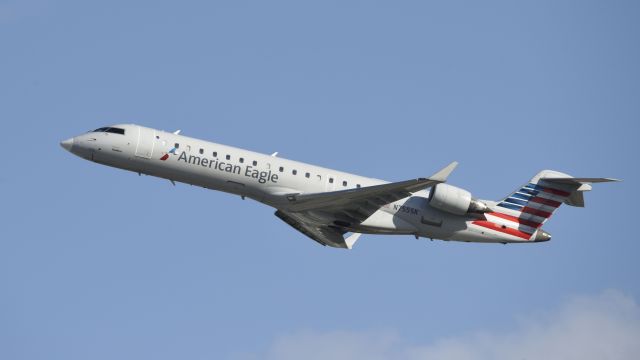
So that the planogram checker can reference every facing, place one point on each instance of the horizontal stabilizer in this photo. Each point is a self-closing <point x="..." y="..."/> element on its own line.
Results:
<point x="563" y="180"/>
<point x="535" y="202"/>
<point x="576" y="187"/>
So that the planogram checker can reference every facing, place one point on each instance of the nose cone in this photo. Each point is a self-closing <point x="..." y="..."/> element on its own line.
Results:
<point x="67" y="144"/>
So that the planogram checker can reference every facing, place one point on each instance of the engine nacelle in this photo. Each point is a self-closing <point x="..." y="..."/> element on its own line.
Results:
<point x="455" y="200"/>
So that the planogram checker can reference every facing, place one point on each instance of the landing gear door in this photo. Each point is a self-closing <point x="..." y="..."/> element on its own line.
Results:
<point x="146" y="142"/>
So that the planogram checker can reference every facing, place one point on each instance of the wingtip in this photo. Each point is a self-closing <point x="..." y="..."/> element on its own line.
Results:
<point x="351" y="240"/>
<point x="443" y="174"/>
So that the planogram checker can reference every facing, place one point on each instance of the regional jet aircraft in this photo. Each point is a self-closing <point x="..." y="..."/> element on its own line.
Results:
<point x="326" y="204"/>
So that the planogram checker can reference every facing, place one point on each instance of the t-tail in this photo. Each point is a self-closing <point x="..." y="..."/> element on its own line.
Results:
<point x="523" y="213"/>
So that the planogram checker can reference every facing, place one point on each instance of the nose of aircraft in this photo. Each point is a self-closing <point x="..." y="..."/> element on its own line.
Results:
<point x="67" y="144"/>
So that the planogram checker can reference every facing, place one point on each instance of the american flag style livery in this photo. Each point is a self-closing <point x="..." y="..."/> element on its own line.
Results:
<point x="521" y="214"/>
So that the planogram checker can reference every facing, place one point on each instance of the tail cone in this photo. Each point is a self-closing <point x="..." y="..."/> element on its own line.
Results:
<point x="541" y="236"/>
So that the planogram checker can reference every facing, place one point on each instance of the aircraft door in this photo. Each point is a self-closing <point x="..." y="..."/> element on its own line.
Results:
<point x="146" y="142"/>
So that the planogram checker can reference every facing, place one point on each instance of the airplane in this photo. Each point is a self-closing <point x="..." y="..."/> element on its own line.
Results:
<point x="325" y="204"/>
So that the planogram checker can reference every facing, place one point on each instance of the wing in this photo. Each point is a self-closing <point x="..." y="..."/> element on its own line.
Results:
<point x="323" y="234"/>
<point x="356" y="205"/>
<point x="348" y="206"/>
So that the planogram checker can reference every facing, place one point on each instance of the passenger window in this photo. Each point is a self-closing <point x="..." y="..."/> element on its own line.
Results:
<point x="331" y="180"/>
<point x="228" y="157"/>
<point x="177" y="145"/>
<point x="215" y="154"/>
<point x="307" y="175"/>
<point x="281" y="169"/>
<point x="357" y="185"/>
<point x="241" y="160"/>
<point x="201" y="151"/>
<point x="344" y="183"/>
<point x="255" y="163"/>
<point x="294" y="172"/>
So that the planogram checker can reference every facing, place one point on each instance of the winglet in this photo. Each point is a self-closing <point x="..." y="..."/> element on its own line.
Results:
<point x="443" y="174"/>
<point x="351" y="240"/>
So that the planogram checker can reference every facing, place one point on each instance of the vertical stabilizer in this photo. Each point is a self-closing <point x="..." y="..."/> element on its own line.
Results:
<point x="529" y="207"/>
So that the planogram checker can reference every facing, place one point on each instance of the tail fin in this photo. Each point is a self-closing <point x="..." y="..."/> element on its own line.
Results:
<point x="534" y="203"/>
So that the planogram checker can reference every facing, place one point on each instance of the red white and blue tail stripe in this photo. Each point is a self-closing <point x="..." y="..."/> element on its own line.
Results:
<point x="523" y="212"/>
<point x="534" y="200"/>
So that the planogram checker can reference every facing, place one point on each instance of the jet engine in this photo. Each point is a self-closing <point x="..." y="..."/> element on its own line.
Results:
<point x="455" y="200"/>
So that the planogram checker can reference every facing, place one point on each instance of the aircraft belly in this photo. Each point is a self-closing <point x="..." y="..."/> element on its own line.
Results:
<point x="429" y="222"/>
<point x="384" y="222"/>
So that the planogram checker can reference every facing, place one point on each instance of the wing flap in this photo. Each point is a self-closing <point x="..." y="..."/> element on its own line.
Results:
<point x="322" y="234"/>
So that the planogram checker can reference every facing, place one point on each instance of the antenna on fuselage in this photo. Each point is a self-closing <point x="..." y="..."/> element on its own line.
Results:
<point x="177" y="132"/>
<point x="274" y="154"/>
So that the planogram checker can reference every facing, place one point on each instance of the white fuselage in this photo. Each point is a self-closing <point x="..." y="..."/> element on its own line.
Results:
<point x="264" y="178"/>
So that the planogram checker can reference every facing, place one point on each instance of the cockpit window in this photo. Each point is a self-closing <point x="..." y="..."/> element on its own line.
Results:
<point x="116" y="131"/>
<point x="110" y="130"/>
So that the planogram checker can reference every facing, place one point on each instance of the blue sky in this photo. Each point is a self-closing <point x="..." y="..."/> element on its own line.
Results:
<point x="100" y="263"/>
